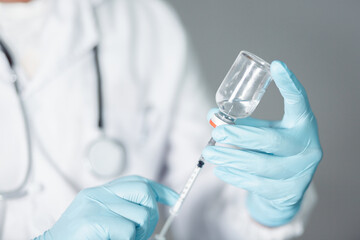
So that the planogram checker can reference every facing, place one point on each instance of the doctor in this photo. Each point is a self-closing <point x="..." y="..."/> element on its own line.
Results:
<point x="94" y="91"/>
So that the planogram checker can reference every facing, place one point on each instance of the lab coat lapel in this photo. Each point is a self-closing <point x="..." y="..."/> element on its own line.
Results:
<point x="70" y="32"/>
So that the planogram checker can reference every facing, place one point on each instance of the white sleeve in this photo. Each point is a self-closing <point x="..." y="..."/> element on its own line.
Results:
<point x="213" y="210"/>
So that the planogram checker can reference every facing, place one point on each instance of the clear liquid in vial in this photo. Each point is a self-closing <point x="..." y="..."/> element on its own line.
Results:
<point x="238" y="108"/>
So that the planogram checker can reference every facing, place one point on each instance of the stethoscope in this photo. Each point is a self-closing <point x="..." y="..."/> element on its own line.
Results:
<point x="105" y="156"/>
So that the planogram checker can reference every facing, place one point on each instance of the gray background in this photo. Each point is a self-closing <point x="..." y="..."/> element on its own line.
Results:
<point x="319" y="41"/>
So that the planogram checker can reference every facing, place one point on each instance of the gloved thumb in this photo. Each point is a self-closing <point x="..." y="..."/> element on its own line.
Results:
<point x="164" y="194"/>
<point x="295" y="98"/>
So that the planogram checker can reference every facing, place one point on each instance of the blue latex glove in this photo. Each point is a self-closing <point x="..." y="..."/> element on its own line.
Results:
<point x="122" y="209"/>
<point x="277" y="159"/>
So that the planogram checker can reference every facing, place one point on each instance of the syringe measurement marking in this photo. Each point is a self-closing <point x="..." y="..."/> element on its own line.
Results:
<point x="186" y="189"/>
<point x="174" y="210"/>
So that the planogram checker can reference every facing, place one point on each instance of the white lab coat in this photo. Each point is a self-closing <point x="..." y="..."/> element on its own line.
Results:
<point x="154" y="103"/>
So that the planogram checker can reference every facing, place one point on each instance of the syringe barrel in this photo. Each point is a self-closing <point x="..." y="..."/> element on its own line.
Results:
<point x="174" y="210"/>
<point x="190" y="182"/>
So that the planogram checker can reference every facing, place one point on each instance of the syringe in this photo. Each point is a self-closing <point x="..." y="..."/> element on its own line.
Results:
<point x="175" y="209"/>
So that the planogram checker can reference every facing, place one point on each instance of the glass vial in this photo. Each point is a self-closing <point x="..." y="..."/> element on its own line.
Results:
<point x="242" y="88"/>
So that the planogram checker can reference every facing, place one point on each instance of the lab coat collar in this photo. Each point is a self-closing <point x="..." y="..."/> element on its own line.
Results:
<point x="70" y="32"/>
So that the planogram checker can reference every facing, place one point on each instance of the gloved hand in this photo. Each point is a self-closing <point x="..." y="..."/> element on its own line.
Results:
<point x="277" y="159"/>
<point x="122" y="209"/>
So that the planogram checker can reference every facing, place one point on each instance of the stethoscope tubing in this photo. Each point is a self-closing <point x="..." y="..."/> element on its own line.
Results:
<point x="19" y="191"/>
<point x="99" y="89"/>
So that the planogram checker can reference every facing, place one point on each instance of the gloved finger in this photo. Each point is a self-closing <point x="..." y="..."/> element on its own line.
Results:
<point x="259" y="164"/>
<point x="118" y="228"/>
<point x="146" y="193"/>
<point x="135" y="191"/>
<point x="126" y="179"/>
<point x="295" y="99"/>
<point x="144" y="218"/>
<point x="279" y="191"/>
<point x="138" y="189"/>
<point x="269" y="140"/>
<point x="254" y="122"/>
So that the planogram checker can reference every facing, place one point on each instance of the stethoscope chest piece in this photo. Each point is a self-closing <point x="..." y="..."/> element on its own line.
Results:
<point x="106" y="157"/>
